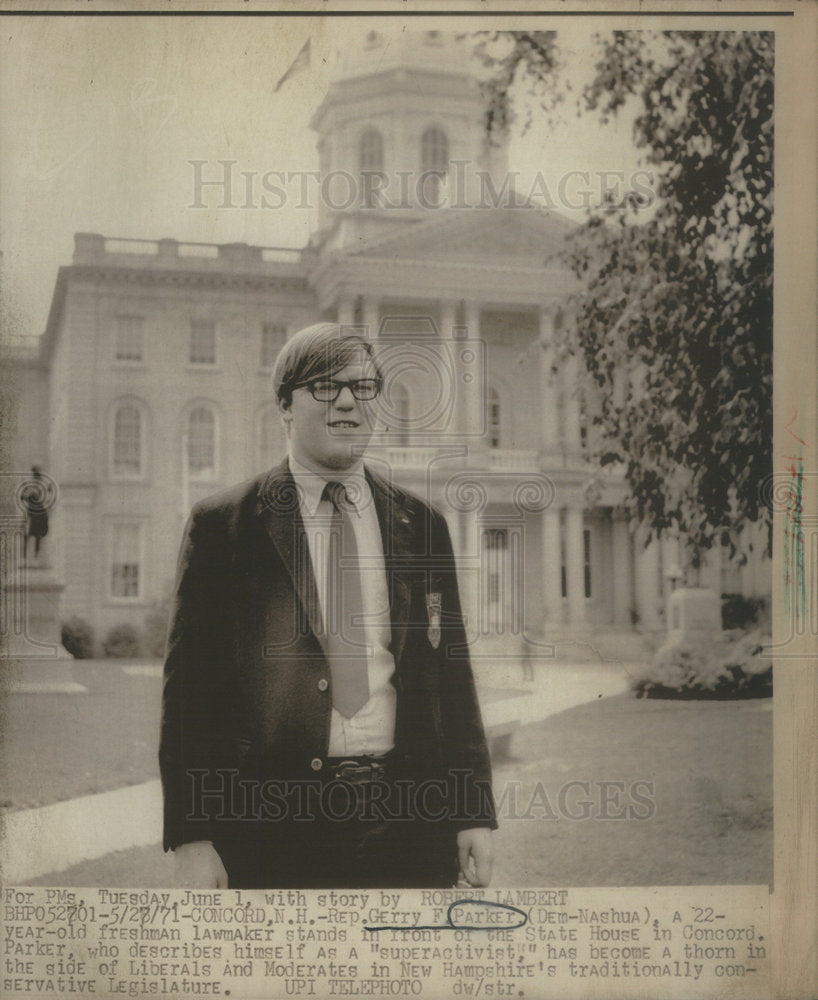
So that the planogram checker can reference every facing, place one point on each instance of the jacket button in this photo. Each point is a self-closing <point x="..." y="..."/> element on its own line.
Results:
<point x="316" y="763"/>
<point x="323" y="684"/>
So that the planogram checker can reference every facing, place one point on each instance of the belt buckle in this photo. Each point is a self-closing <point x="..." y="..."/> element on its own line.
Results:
<point x="357" y="774"/>
<point x="349" y="770"/>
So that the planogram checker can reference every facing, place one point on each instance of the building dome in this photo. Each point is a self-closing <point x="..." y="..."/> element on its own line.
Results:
<point x="377" y="52"/>
<point x="401" y="133"/>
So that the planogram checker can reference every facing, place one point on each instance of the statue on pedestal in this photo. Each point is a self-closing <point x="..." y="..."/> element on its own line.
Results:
<point x="37" y="496"/>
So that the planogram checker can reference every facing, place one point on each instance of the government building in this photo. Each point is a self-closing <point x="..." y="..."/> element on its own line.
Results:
<point x="150" y="387"/>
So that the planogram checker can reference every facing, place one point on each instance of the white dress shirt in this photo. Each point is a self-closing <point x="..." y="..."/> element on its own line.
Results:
<point x="372" y="729"/>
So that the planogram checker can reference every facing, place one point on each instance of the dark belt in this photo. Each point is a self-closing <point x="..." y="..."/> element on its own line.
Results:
<point x="358" y="770"/>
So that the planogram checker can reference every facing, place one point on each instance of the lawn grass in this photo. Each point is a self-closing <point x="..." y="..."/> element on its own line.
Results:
<point x="711" y="768"/>
<point x="58" y="746"/>
<point x="710" y="765"/>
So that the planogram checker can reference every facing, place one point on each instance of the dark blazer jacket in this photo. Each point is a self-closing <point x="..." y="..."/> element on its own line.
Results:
<point x="247" y="687"/>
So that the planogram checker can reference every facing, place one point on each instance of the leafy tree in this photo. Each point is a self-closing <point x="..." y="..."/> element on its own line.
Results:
<point x="674" y="316"/>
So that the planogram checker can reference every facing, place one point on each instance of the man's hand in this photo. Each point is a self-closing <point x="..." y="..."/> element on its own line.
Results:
<point x="198" y="866"/>
<point x="475" y="851"/>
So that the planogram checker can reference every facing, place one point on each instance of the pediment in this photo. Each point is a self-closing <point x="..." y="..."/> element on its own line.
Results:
<point x="527" y="236"/>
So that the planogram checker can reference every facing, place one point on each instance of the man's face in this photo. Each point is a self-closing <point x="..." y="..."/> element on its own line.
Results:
<point x="331" y="436"/>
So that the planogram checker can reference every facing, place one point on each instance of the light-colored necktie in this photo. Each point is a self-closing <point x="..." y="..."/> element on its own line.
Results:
<point x="346" y="632"/>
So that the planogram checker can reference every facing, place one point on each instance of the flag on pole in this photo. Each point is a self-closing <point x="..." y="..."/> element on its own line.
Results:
<point x="301" y="62"/>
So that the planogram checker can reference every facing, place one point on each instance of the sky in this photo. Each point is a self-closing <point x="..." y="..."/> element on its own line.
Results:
<point x="100" y="118"/>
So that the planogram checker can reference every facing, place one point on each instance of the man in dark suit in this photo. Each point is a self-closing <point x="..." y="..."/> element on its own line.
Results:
<point x="320" y="725"/>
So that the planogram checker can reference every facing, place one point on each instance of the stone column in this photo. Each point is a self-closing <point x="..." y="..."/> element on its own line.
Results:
<point x="549" y="389"/>
<point x="346" y="312"/>
<point x="471" y="379"/>
<point x="470" y="570"/>
<point x="552" y="567"/>
<point x="622" y="575"/>
<point x="575" y="566"/>
<point x="648" y="584"/>
<point x="447" y="321"/>
<point x="572" y="439"/>
<point x="371" y="317"/>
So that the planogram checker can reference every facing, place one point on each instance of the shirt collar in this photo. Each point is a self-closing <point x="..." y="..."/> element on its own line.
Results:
<point x="311" y="484"/>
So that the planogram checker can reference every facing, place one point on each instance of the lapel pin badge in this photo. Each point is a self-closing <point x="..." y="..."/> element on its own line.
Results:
<point x="434" y="604"/>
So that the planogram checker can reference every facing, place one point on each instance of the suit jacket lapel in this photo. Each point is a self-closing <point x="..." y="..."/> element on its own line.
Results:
<point x="396" y="533"/>
<point x="279" y="509"/>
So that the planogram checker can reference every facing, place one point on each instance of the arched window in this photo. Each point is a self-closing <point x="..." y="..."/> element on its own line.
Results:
<point x="493" y="417"/>
<point x="271" y="441"/>
<point x="434" y="162"/>
<point x="128" y="441"/>
<point x="201" y="442"/>
<point x="370" y="165"/>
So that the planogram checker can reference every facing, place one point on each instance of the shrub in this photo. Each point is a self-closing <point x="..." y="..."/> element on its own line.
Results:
<point x="730" y="666"/>
<point x="121" y="641"/>
<point x="77" y="636"/>
<point x="738" y="611"/>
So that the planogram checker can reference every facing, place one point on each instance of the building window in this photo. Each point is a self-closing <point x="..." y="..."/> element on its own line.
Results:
<point x="270" y="438"/>
<point x="201" y="442"/>
<point x="370" y="165"/>
<point x="273" y="336"/>
<point x="434" y="160"/>
<point x="125" y="577"/>
<point x="202" y="343"/>
<point x="129" y="338"/>
<point x="128" y="441"/>
<point x="493" y="417"/>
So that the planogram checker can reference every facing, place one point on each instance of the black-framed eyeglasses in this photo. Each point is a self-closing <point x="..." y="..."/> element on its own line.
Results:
<point x="327" y="390"/>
